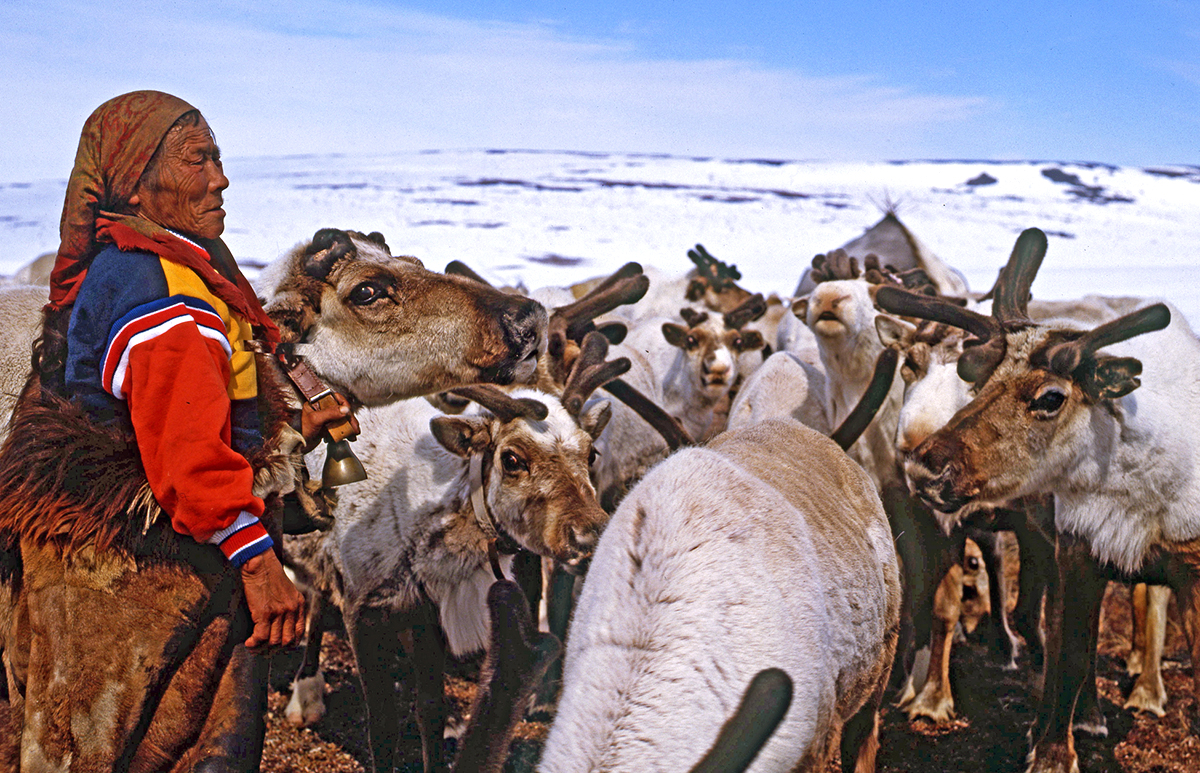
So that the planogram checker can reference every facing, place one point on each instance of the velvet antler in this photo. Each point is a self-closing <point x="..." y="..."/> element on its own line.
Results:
<point x="504" y="406"/>
<point x="590" y="372"/>
<point x="750" y="309"/>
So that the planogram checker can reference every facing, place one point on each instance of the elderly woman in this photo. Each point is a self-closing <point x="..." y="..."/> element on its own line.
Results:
<point x="144" y="576"/>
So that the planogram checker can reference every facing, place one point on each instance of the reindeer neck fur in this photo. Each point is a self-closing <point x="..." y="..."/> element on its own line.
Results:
<point x="1125" y="473"/>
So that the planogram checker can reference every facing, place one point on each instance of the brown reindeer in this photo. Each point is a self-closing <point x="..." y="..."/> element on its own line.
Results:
<point x="1102" y="425"/>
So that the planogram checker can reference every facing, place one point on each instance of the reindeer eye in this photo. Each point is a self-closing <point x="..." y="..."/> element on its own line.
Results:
<point x="1048" y="403"/>
<point x="691" y="342"/>
<point x="592" y="456"/>
<point x="366" y="293"/>
<point x="512" y="464"/>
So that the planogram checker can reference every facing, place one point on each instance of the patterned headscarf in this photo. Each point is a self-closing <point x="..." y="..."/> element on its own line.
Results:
<point x="118" y="140"/>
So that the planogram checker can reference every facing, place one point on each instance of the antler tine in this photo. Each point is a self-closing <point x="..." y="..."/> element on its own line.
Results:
<point x="575" y="319"/>
<point x="909" y="304"/>
<point x="747" y="311"/>
<point x="1012" y="286"/>
<point x="458" y="268"/>
<point x="877" y="391"/>
<point x="693" y="317"/>
<point x="1065" y="357"/>
<point x="977" y="361"/>
<point x="590" y="372"/>
<point x="504" y="406"/>
<point x="630" y="270"/>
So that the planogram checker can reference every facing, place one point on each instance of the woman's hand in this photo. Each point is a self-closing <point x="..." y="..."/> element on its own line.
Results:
<point x="314" y="419"/>
<point x="276" y="607"/>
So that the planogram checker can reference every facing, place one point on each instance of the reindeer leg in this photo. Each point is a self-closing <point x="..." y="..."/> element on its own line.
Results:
<point x="307" y="704"/>
<point x="374" y="636"/>
<point x="1137" y="649"/>
<point x="1037" y="574"/>
<point x="560" y="599"/>
<point x="428" y="666"/>
<point x="1070" y="629"/>
<point x="935" y="701"/>
<point x="1001" y="642"/>
<point x="1149" y="693"/>
<point x="1188" y="596"/>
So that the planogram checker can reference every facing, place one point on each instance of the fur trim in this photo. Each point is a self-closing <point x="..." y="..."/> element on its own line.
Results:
<point x="67" y="481"/>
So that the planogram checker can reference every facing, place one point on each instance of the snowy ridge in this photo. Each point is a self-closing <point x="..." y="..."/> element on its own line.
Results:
<point x="554" y="217"/>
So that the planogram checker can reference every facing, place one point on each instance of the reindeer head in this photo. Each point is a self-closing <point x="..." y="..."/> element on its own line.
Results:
<point x="712" y="342"/>
<point x="1036" y="387"/>
<point x="536" y="454"/>
<point x="382" y="328"/>
<point x="933" y="392"/>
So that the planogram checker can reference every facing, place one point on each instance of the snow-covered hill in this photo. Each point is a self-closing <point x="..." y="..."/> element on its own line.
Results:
<point x="555" y="217"/>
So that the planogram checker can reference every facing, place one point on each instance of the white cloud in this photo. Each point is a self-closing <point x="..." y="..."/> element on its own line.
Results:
<point x="278" y="78"/>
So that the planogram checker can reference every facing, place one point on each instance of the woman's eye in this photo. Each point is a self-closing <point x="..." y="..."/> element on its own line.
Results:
<point x="1048" y="403"/>
<point x="511" y="463"/>
<point x="365" y="293"/>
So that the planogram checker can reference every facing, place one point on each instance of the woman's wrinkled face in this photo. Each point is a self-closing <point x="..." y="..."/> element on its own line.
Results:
<point x="183" y="189"/>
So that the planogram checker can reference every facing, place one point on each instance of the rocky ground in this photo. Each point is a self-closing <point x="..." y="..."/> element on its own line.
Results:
<point x="994" y="709"/>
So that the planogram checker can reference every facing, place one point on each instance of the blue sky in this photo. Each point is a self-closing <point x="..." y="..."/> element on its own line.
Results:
<point x="1112" y="82"/>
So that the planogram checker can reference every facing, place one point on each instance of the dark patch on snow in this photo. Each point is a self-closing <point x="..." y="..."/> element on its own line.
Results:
<point x="550" y="259"/>
<point x="1060" y="234"/>
<point x="759" y="161"/>
<point x="727" y="199"/>
<point x="559" y="228"/>
<point x="837" y="205"/>
<point x="331" y="186"/>
<point x="455" y="202"/>
<point x="488" y="182"/>
<point x="1190" y="172"/>
<point x="1093" y="193"/>
<point x="485" y="225"/>
<point x="18" y="186"/>
<point x="432" y="222"/>
<point x="790" y="194"/>
<point x="983" y="178"/>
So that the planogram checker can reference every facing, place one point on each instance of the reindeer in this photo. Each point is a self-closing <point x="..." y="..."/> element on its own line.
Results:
<point x="697" y="363"/>
<point x="1102" y="431"/>
<point x="766" y="547"/>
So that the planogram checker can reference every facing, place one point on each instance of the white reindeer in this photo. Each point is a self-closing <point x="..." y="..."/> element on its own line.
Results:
<point x="1103" y="431"/>
<point x="766" y="548"/>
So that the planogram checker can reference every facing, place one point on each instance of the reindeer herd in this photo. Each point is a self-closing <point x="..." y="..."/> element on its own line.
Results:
<point x="757" y="534"/>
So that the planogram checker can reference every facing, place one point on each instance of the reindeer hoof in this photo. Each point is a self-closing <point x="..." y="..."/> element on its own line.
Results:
<point x="1148" y="697"/>
<point x="307" y="705"/>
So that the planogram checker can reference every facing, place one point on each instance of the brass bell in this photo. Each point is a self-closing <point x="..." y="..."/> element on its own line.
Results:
<point x="341" y="465"/>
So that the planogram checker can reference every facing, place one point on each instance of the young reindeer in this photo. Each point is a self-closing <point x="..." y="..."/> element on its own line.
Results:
<point x="697" y="363"/>
<point x="449" y="499"/>
<point x="1053" y="414"/>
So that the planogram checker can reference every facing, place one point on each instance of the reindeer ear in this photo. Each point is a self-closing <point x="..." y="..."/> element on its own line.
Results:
<point x="594" y="418"/>
<point x="460" y="436"/>
<point x="1105" y="378"/>
<point x="292" y="314"/>
<point x="752" y="340"/>
<point x="676" y="335"/>
<point x="894" y="332"/>
<point x="800" y="309"/>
